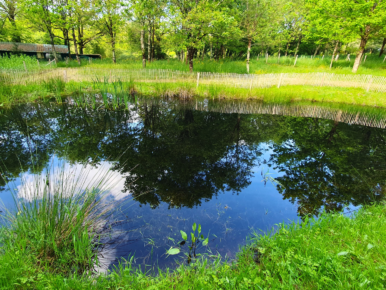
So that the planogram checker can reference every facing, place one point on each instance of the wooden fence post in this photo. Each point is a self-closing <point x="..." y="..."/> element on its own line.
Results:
<point x="281" y="77"/>
<point x="322" y="83"/>
<point x="65" y="76"/>
<point x="370" y="82"/>
<point x="198" y="79"/>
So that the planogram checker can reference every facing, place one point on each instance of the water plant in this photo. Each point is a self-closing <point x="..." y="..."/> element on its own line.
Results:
<point x="58" y="219"/>
<point x="195" y="241"/>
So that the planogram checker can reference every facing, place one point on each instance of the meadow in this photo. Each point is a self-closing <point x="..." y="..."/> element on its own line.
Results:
<point x="335" y="92"/>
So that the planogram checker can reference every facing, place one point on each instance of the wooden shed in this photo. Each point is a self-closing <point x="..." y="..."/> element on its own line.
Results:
<point x="40" y="51"/>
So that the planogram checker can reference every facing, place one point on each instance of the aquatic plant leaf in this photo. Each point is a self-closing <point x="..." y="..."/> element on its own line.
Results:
<point x="205" y="242"/>
<point x="194" y="227"/>
<point x="369" y="246"/>
<point x="199" y="228"/>
<point x="173" y="251"/>
<point x="184" y="235"/>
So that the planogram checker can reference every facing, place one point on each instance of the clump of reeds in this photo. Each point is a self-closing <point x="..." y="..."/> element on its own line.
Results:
<point x="59" y="217"/>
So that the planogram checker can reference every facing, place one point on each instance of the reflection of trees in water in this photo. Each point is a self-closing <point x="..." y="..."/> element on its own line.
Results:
<point x="329" y="164"/>
<point x="184" y="156"/>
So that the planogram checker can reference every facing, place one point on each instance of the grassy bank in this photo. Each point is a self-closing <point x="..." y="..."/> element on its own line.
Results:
<point x="333" y="252"/>
<point x="57" y="89"/>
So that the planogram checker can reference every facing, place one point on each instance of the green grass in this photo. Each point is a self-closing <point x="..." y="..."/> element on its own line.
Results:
<point x="52" y="89"/>
<point x="373" y="65"/>
<point x="333" y="252"/>
<point x="56" y="89"/>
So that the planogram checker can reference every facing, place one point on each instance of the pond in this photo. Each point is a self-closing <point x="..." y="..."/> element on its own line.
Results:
<point x="232" y="167"/>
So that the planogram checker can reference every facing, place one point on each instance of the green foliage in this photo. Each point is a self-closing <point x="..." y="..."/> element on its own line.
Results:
<point x="15" y="62"/>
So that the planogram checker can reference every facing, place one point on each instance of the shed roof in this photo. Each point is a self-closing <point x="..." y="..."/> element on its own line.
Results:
<point x="31" y="47"/>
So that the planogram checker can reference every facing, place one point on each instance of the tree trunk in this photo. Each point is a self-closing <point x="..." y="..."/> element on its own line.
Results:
<point x="75" y="46"/>
<point x="286" y="50"/>
<point x="211" y="50"/>
<point x="187" y="56"/>
<point x="297" y="46"/>
<point x="53" y="46"/>
<point x="190" y="56"/>
<point x="249" y="53"/>
<point x="357" y="61"/>
<point x="316" y="50"/>
<point x="334" y="52"/>
<point x="143" y="48"/>
<point x="113" y="49"/>
<point x="66" y="36"/>
<point x="153" y="43"/>
<point x="80" y="38"/>
<point x="15" y="37"/>
<point x="383" y="47"/>
<point x="203" y="53"/>
<point x="149" y="42"/>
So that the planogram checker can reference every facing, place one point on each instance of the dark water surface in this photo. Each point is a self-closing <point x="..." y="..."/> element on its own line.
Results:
<point x="194" y="162"/>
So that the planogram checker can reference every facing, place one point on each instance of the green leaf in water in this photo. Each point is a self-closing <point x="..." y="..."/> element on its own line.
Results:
<point x="184" y="235"/>
<point x="194" y="227"/>
<point x="173" y="251"/>
<point x="199" y="228"/>
<point x="205" y="242"/>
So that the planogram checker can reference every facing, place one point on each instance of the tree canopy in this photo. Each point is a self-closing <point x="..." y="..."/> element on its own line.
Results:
<point x="189" y="30"/>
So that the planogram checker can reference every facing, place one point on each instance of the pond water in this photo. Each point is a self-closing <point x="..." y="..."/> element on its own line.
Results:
<point x="233" y="168"/>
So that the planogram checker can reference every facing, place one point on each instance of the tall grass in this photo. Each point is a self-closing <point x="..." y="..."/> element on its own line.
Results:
<point x="58" y="218"/>
<point x="16" y="62"/>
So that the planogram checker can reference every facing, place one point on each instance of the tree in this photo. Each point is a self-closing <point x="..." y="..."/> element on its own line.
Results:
<point x="362" y="19"/>
<point x="45" y="16"/>
<point x="10" y="9"/>
<point x="198" y="19"/>
<point x="111" y="21"/>
<point x="256" y="16"/>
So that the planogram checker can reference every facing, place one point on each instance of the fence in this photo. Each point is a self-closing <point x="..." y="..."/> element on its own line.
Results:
<point x="246" y="81"/>
<point x="338" y="115"/>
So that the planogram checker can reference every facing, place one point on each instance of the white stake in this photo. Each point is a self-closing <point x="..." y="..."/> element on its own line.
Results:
<point x="296" y="59"/>
<point x="198" y="79"/>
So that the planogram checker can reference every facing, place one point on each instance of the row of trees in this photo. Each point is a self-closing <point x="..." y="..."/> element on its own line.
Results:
<point x="194" y="29"/>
